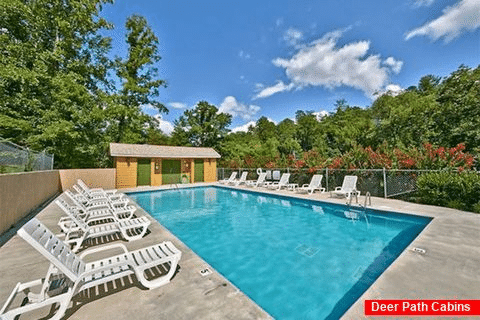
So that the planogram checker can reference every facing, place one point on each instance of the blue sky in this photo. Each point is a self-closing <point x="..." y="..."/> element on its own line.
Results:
<point x="272" y="58"/>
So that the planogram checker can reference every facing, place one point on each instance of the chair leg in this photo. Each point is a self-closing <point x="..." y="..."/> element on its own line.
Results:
<point x="62" y="299"/>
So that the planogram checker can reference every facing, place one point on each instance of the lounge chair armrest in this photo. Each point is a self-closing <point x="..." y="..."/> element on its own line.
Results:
<point x="105" y="248"/>
<point x="305" y="185"/>
<point x="338" y="188"/>
<point x="322" y="190"/>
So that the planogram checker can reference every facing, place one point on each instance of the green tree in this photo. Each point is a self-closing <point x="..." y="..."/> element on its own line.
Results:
<point x="264" y="129"/>
<point x="53" y="63"/>
<point x="157" y="137"/>
<point x="288" y="144"/>
<point x="342" y="130"/>
<point x="202" y="126"/>
<point x="428" y="84"/>
<point x="404" y="120"/>
<point x="307" y="129"/>
<point x="140" y="85"/>
<point x="458" y="118"/>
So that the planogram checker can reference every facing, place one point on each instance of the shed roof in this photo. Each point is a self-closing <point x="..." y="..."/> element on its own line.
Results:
<point x="151" y="151"/>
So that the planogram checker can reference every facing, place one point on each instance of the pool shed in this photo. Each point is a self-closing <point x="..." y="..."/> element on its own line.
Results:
<point x="151" y="165"/>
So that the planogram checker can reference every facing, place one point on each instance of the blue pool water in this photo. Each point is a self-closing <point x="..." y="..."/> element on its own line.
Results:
<point x="298" y="259"/>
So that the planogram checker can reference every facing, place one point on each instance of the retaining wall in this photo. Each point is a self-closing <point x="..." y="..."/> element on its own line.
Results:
<point x="20" y="193"/>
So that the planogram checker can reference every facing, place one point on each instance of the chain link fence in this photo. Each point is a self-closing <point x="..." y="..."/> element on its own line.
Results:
<point x="14" y="158"/>
<point x="379" y="182"/>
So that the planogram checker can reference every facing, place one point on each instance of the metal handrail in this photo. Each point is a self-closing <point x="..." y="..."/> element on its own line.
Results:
<point x="349" y="200"/>
<point x="369" y="197"/>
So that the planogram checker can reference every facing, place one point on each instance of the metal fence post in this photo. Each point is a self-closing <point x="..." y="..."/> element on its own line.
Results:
<point x="326" y="174"/>
<point x="384" y="183"/>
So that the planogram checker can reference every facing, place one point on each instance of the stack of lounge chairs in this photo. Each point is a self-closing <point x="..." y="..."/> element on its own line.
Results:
<point x="90" y="213"/>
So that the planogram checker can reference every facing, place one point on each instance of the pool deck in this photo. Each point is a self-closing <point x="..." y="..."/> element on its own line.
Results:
<point x="449" y="269"/>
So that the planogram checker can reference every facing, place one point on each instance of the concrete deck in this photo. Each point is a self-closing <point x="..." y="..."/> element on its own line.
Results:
<point x="448" y="270"/>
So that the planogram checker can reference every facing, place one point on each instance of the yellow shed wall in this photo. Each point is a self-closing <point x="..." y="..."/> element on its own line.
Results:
<point x="126" y="173"/>
<point x="156" y="178"/>
<point x="192" y="170"/>
<point x="210" y="170"/>
<point x="186" y="168"/>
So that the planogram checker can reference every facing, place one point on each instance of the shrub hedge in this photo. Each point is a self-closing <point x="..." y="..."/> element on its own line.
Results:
<point x="450" y="189"/>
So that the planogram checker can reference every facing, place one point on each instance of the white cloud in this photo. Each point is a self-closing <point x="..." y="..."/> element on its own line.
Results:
<point x="244" y="128"/>
<point x="177" y="105"/>
<point x="243" y="54"/>
<point x="320" y="114"/>
<point x="293" y="36"/>
<point x="164" y="125"/>
<point x="271" y="120"/>
<point x="321" y="63"/>
<point x="396" y="65"/>
<point x="279" y="22"/>
<point x="463" y="16"/>
<point x="391" y="90"/>
<point x="231" y="106"/>
<point x="259" y="86"/>
<point x="268" y="91"/>
<point x="148" y="109"/>
<point x="422" y="3"/>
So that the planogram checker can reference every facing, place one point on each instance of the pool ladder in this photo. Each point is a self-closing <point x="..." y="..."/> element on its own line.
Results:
<point x="368" y="198"/>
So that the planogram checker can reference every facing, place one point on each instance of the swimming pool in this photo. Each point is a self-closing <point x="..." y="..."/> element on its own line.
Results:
<point x="298" y="259"/>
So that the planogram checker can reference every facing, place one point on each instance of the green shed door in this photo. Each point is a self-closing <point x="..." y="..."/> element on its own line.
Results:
<point x="198" y="170"/>
<point x="170" y="171"/>
<point x="143" y="172"/>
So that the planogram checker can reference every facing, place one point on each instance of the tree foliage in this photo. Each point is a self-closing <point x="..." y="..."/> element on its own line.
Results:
<point x="202" y="126"/>
<point x="140" y="85"/>
<point x="55" y="90"/>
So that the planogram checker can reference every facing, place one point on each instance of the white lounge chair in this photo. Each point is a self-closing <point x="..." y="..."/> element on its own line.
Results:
<point x="242" y="180"/>
<point x="98" y="203"/>
<point x="283" y="183"/>
<point x="92" y="216"/>
<point x="99" y="197"/>
<point x="315" y="184"/>
<point x="78" y="231"/>
<point x="120" y="208"/>
<point x="84" y="186"/>
<point x="97" y="193"/>
<point x="231" y="179"/>
<point x="259" y="182"/>
<point x="348" y="188"/>
<point x="69" y="274"/>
